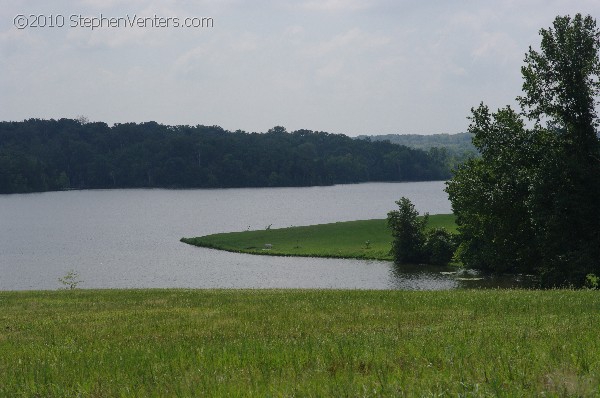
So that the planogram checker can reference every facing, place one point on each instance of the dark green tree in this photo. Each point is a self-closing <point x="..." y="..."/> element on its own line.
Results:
<point x="561" y="87"/>
<point x="530" y="204"/>
<point x="489" y="194"/>
<point x="439" y="246"/>
<point x="408" y="231"/>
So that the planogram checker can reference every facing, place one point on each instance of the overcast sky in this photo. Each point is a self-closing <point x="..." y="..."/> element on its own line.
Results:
<point x="341" y="66"/>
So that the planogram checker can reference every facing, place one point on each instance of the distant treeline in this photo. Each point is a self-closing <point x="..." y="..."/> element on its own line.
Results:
<point x="43" y="155"/>
<point x="458" y="142"/>
<point x="456" y="147"/>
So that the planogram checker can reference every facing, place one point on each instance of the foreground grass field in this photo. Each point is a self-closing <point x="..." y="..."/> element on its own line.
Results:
<point x="341" y="239"/>
<point x="162" y="343"/>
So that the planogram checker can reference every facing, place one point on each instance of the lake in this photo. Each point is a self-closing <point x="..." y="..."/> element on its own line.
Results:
<point x="129" y="238"/>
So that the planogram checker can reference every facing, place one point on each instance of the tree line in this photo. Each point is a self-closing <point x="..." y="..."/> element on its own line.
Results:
<point x="42" y="155"/>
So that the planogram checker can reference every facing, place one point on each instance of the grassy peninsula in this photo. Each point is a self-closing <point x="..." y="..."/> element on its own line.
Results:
<point x="363" y="239"/>
<point x="151" y="343"/>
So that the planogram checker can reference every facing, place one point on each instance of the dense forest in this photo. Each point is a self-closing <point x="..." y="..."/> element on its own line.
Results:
<point x="41" y="155"/>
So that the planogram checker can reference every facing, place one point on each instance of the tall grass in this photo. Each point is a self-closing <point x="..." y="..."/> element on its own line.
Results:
<point x="156" y="343"/>
<point x="365" y="239"/>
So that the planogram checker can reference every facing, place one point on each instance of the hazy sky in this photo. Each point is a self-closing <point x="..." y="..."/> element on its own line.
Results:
<point x="342" y="66"/>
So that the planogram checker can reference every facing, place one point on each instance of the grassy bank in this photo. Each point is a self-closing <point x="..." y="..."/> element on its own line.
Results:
<point x="299" y="343"/>
<point x="342" y="239"/>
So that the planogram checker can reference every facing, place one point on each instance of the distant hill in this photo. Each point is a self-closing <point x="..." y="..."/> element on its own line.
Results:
<point x="452" y="149"/>
<point x="460" y="142"/>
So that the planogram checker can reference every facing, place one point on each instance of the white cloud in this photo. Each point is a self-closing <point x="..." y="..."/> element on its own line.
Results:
<point x="336" y="5"/>
<point x="107" y="4"/>
<point x="220" y="56"/>
<point x="499" y="47"/>
<point x="330" y="69"/>
<point x="352" y="41"/>
<point x="189" y="61"/>
<point x="18" y="41"/>
<point x="110" y="38"/>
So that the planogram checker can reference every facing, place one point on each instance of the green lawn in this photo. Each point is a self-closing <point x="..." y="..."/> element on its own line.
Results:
<point x="193" y="343"/>
<point x="341" y="239"/>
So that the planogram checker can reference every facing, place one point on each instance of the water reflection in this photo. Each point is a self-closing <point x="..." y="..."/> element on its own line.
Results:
<point x="432" y="277"/>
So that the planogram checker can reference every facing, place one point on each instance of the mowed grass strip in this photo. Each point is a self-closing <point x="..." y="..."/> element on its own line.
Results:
<point x="340" y="240"/>
<point x="162" y="343"/>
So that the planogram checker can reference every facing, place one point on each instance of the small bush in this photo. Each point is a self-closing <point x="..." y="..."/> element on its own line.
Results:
<point x="592" y="281"/>
<point x="71" y="280"/>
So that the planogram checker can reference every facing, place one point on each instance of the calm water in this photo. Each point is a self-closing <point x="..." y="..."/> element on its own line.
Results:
<point x="130" y="238"/>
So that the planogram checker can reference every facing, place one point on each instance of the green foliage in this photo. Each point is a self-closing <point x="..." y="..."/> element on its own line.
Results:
<point x="41" y="155"/>
<point x="304" y="343"/>
<point x="439" y="245"/>
<point x="530" y="203"/>
<point x="592" y="281"/>
<point x="408" y="232"/>
<point x="488" y="194"/>
<point x="561" y="86"/>
<point x="71" y="280"/>
<point x="414" y="242"/>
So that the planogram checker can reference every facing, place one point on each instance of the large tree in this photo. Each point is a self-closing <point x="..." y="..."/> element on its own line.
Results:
<point x="488" y="194"/>
<point x="531" y="203"/>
